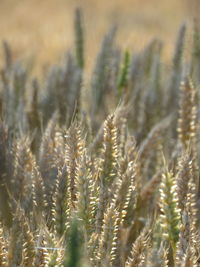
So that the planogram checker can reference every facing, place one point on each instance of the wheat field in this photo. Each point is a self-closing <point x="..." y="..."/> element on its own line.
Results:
<point x="42" y="31"/>
<point x="99" y="134"/>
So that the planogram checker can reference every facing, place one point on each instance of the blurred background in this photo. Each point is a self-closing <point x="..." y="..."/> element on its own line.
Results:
<point x="40" y="31"/>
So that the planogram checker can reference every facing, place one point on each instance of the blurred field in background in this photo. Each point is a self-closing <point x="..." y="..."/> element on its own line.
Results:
<point x="41" y="31"/>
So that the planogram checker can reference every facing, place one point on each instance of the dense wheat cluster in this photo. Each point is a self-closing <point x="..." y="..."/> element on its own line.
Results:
<point x="101" y="171"/>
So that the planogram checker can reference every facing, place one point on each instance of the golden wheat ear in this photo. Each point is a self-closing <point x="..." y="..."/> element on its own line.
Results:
<point x="169" y="212"/>
<point x="74" y="150"/>
<point x="28" y="253"/>
<point x="107" y="167"/>
<point x="41" y="254"/>
<point x="107" y="250"/>
<point x="61" y="204"/>
<point x="138" y="251"/>
<point x="187" y="114"/>
<point x="86" y="202"/>
<point x="187" y="123"/>
<point x="184" y="174"/>
<point x="39" y="198"/>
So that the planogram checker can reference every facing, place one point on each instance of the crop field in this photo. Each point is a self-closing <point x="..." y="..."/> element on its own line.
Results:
<point x="40" y="32"/>
<point x="99" y="134"/>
